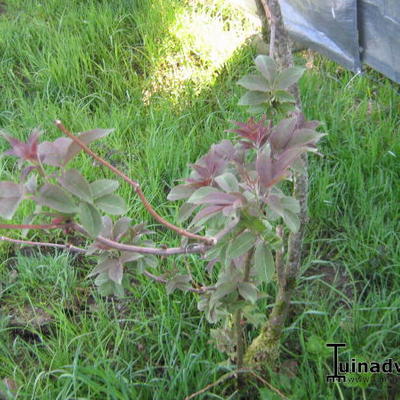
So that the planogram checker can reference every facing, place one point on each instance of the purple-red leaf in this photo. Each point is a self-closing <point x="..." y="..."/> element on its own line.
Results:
<point x="26" y="151"/>
<point x="221" y="198"/>
<point x="53" y="153"/>
<point x="264" y="169"/>
<point x="86" y="137"/>
<point x="11" y="195"/>
<point x="285" y="160"/>
<point x="206" y="212"/>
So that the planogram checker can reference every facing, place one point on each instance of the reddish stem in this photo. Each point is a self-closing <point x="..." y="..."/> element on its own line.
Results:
<point x="135" y="186"/>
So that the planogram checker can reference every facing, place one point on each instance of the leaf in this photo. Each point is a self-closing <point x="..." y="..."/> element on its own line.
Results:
<point x="101" y="187"/>
<point x="178" y="282"/>
<point x="206" y="211"/>
<point x="222" y="290"/>
<point x="11" y="195"/>
<point x="223" y="199"/>
<point x="107" y="227"/>
<point x="112" y="204"/>
<point x="54" y="197"/>
<point x="128" y="256"/>
<point x="264" y="169"/>
<point x="185" y="211"/>
<point x="267" y="67"/>
<point x="116" y="271"/>
<point x="75" y="183"/>
<point x="254" y="82"/>
<point x="285" y="159"/>
<point x="305" y="136"/>
<point x="291" y="204"/>
<point x="284" y="97"/>
<point x="31" y="184"/>
<point x="227" y="182"/>
<point x="252" y="223"/>
<point x="253" y="98"/>
<point x="291" y="220"/>
<point x="121" y="227"/>
<point x="101" y="267"/>
<point x="288" y="77"/>
<point x="53" y="153"/>
<point x="199" y="194"/>
<point x="86" y="137"/>
<point x="102" y="278"/>
<point x="151" y="261"/>
<point x="90" y="219"/>
<point x="248" y="291"/>
<point x="241" y="244"/>
<point x="180" y="192"/>
<point x="282" y="133"/>
<point x="264" y="264"/>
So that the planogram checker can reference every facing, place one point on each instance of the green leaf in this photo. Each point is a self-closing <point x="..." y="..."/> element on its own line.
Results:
<point x="116" y="270"/>
<point x="101" y="279"/>
<point x="252" y="223"/>
<point x="304" y="136"/>
<point x="54" y="197"/>
<point x="254" y="82"/>
<point x="267" y="67"/>
<point x="121" y="227"/>
<point x="227" y="182"/>
<point x="75" y="183"/>
<point x="248" y="291"/>
<point x="199" y="194"/>
<point x="102" y="269"/>
<point x="291" y="204"/>
<point x="11" y="195"/>
<point x="264" y="264"/>
<point x="291" y="220"/>
<point x="185" y="211"/>
<point x="101" y="187"/>
<point x="288" y="77"/>
<point x="222" y="291"/>
<point x="241" y="244"/>
<point x="178" y="282"/>
<point x="180" y="192"/>
<point x="253" y="98"/>
<point x="112" y="204"/>
<point x="90" y="219"/>
<point x="284" y="97"/>
<point x="86" y="137"/>
<point x="150" y="260"/>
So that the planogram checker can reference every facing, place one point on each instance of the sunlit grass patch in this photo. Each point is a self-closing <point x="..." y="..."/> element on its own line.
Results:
<point x="204" y="36"/>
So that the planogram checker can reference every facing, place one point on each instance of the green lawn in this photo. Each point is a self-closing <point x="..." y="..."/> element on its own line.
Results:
<point x="163" y="73"/>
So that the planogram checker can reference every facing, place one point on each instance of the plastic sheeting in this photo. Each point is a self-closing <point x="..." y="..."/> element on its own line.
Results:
<point x="350" y="32"/>
<point x="379" y="27"/>
<point x="327" y="26"/>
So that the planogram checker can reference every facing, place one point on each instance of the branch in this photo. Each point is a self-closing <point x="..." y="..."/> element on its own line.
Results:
<point x="135" y="186"/>
<point x="37" y="226"/>
<point x="200" y="248"/>
<point x="68" y="247"/>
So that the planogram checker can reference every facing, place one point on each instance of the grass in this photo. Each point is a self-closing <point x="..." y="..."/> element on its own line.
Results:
<point x="141" y="68"/>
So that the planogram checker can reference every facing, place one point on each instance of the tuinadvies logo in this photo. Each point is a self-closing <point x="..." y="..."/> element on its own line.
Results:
<point x="353" y="366"/>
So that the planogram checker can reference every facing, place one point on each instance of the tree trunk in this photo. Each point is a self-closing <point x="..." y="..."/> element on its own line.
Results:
<point x="264" y="350"/>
